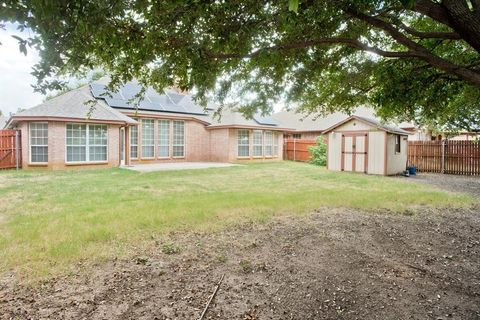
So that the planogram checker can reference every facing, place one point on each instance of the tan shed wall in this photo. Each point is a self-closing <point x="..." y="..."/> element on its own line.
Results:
<point x="334" y="161"/>
<point x="396" y="162"/>
<point x="355" y="125"/>
<point x="376" y="152"/>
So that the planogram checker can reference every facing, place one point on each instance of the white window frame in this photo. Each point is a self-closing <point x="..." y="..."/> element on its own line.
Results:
<point x="239" y="144"/>
<point x="174" y="141"/>
<point x="399" y="139"/>
<point x="255" y="143"/>
<point x="130" y="138"/>
<point x="169" y="138"/>
<point x="87" y="144"/>
<point x="276" y="145"/>
<point x="265" y="144"/>
<point x="143" y="137"/>
<point x="36" y="145"/>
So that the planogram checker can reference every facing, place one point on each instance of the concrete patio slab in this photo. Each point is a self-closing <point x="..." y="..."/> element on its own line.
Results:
<point x="152" y="167"/>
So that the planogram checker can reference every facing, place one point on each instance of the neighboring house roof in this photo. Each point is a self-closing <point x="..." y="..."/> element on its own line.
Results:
<point x="301" y="122"/>
<point x="3" y="122"/>
<point x="75" y="104"/>
<point x="373" y="122"/>
<point x="231" y="118"/>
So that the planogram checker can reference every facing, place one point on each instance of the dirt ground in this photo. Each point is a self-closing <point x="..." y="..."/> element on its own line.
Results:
<point x="331" y="264"/>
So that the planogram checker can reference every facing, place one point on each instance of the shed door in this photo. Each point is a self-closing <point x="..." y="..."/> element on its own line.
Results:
<point x="354" y="152"/>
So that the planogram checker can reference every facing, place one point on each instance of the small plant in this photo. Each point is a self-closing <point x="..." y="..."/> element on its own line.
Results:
<point x="246" y="265"/>
<point x="319" y="152"/>
<point x="170" y="248"/>
<point x="222" y="258"/>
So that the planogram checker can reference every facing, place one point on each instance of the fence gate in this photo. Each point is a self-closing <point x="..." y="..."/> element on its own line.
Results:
<point x="297" y="150"/>
<point x="10" y="149"/>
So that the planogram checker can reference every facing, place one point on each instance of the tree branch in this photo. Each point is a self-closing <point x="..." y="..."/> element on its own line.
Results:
<point x="418" y="50"/>
<point x="353" y="43"/>
<point x="429" y="34"/>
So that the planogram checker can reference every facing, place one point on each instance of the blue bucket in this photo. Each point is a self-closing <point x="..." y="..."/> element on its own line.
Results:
<point x="412" y="170"/>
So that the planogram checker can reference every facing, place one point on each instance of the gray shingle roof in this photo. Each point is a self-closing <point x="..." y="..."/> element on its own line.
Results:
<point x="302" y="122"/>
<point x="76" y="104"/>
<point x="373" y="122"/>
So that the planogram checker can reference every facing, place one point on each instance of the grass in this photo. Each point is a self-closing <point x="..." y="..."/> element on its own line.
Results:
<point x="51" y="220"/>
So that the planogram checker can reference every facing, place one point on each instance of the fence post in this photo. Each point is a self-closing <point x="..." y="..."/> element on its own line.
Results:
<point x="16" y="150"/>
<point x="443" y="157"/>
<point x="294" y="150"/>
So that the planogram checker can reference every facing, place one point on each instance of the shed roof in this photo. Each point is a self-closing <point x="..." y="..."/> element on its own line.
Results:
<point x="372" y="122"/>
<point x="301" y="122"/>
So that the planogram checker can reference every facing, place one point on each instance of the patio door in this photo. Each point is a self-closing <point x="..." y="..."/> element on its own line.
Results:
<point x="355" y="152"/>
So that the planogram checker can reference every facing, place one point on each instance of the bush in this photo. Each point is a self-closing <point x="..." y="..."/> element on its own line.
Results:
<point x="319" y="153"/>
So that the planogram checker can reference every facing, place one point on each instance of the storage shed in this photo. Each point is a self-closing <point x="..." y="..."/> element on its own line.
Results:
<point x="360" y="144"/>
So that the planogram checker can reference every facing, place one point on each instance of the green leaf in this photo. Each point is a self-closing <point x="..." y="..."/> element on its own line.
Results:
<point x="293" y="5"/>
<point x="409" y="4"/>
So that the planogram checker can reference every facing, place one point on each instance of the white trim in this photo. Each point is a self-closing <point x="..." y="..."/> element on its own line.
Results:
<point x="178" y="145"/>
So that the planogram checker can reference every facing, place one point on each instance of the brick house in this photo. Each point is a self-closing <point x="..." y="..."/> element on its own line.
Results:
<point x="93" y="127"/>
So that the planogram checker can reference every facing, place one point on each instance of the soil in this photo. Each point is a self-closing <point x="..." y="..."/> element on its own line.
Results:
<point x="331" y="264"/>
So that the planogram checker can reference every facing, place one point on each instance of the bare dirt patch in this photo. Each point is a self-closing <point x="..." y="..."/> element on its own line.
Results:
<point x="333" y="264"/>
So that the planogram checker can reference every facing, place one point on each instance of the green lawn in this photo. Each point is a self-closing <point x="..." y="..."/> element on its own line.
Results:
<point x="49" y="220"/>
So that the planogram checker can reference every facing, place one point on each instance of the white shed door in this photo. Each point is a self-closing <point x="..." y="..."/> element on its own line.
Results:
<point x="354" y="152"/>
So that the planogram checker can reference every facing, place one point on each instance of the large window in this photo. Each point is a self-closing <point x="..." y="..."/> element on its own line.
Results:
<point x="148" y="138"/>
<point x="134" y="142"/>
<point x="163" y="138"/>
<point x="178" y="139"/>
<point x="39" y="142"/>
<point x="275" y="144"/>
<point x="257" y="149"/>
<point x="268" y="143"/>
<point x="243" y="143"/>
<point x="86" y="143"/>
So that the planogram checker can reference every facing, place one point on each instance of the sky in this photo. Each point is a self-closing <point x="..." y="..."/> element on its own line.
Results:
<point x="15" y="78"/>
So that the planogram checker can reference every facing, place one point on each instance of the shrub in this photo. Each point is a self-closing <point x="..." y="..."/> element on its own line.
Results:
<point x="319" y="152"/>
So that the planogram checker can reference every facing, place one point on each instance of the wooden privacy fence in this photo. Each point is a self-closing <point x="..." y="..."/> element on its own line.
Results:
<point x="297" y="150"/>
<point x="10" y="155"/>
<point x="453" y="157"/>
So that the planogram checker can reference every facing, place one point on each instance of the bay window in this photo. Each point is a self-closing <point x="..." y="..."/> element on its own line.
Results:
<point x="268" y="143"/>
<point x="243" y="142"/>
<point x="178" y="138"/>
<point x="38" y="142"/>
<point x="148" y="138"/>
<point x="163" y="138"/>
<point x="86" y="142"/>
<point x="275" y="144"/>
<point x="257" y="149"/>
<point x="134" y="141"/>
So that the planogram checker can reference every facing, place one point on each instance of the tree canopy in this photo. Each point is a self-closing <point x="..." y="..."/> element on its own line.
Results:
<point x="409" y="59"/>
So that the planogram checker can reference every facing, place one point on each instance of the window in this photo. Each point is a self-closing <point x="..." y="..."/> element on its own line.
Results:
<point x="257" y="150"/>
<point x="163" y="138"/>
<point x="178" y="139"/>
<point x="86" y="143"/>
<point x="398" y="141"/>
<point x="38" y="142"/>
<point x="148" y="140"/>
<point x="134" y="142"/>
<point x="243" y="143"/>
<point x="297" y="136"/>
<point x="76" y="142"/>
<point x="275" y="145"/>
<point x="268" y="143"/>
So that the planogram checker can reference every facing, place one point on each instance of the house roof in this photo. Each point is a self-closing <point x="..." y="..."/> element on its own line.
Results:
<point x="232" y="118"/>
<point x="373" y="122"/>
<point x="301" y="122"/>
<point x="75" y="104"/>
<point x="3" y="122"/>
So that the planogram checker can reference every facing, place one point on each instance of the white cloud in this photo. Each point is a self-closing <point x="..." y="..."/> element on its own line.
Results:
<point x="15" y="78"/>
